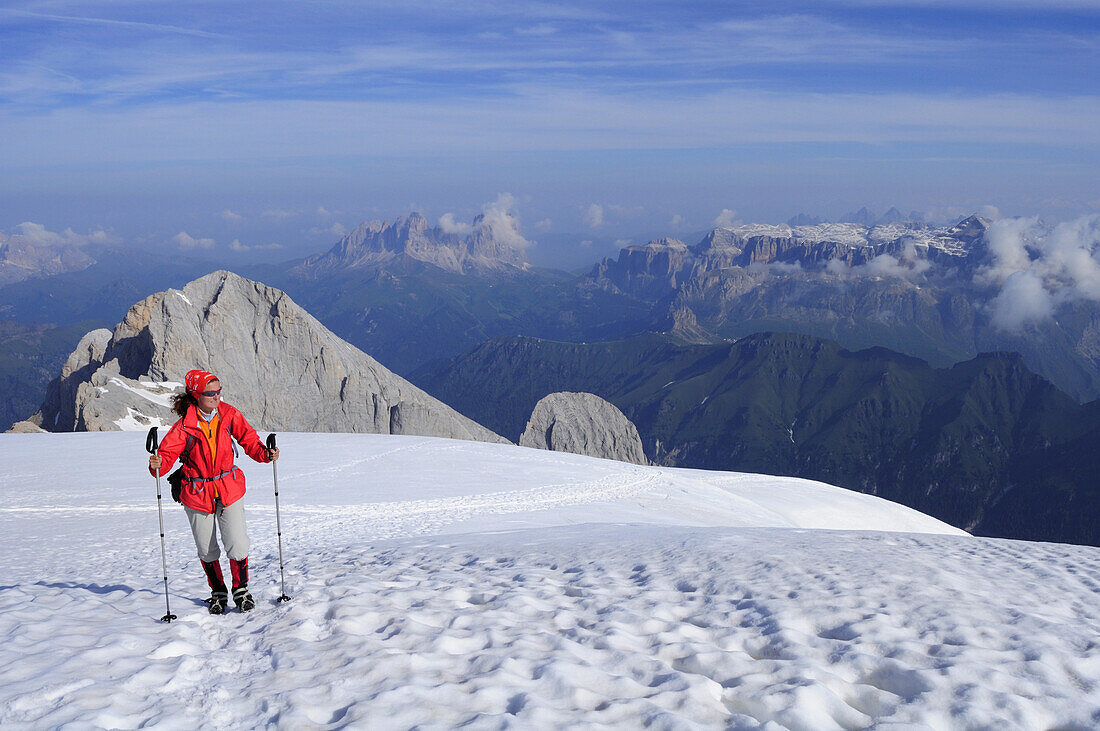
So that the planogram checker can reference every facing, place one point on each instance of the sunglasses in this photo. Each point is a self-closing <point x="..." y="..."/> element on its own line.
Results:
<point x="211" y="394"/>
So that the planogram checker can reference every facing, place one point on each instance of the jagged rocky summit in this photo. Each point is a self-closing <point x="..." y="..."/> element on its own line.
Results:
<point x="583" y="423"/>
<point x="480" y="248"/>
<point x="278" y="364"/>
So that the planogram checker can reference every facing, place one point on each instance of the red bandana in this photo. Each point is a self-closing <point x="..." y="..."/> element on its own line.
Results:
<point x="197" y="381"/>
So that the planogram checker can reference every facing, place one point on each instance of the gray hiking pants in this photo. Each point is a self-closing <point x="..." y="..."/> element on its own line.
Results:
<point x="230" y="522"/>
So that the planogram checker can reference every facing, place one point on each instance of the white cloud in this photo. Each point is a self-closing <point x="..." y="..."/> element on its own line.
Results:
<point x="336" y="229"/>
<point x="500" y="218"/>
<point x="236" y="245"/>
<point x="322" y="211"/>
<point x="279" y="214"/>
<point x="620" y="243"/>
<point x="185" y="241"/>
<point x="1022" y="301"/>
<point x="1007" y="240"/>
<point x="449" y="225"/>
<point x="544" y="224"/>
<point x="232" y="216"/>
<point x="885" y="265"/>
<point x="542" y="29"/>
<point x="29" y="233"/>
<point x="785" y="268"/>
<point x="725" y="219"/>
<point x="991" y="212"/>
<point x="907" y="265"/>
<point x="1036" y="268"/>
<point x="677" y="220"/>
<point x="593" y="217"/>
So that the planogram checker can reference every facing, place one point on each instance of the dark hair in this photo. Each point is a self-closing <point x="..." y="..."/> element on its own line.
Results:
<point x="181" y="401"/>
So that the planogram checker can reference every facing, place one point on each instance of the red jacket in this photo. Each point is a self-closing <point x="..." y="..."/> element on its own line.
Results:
<point x="196" y="492"/>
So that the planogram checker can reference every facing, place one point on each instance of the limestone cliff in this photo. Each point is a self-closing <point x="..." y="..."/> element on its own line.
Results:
<point x="276" y="363"/>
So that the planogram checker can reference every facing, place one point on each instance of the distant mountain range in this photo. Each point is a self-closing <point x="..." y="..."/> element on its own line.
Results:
<point x="670" y="334"/>
<point x="408" y="292"/>
<point x="922" y="290"/>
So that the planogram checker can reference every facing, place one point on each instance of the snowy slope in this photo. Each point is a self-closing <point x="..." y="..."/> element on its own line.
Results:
<point x="439" y="583"/>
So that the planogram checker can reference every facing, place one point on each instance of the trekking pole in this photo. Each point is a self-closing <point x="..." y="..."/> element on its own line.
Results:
<point x="151" y="447"/>
<point x="278" y="523"/>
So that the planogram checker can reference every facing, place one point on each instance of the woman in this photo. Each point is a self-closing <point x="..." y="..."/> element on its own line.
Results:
<point x="212" y="486"/>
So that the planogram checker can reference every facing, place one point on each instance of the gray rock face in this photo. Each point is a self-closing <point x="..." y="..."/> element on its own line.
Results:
<point x="378" y="243"/>
<point x="583" y="423"/>
<point x="276" y="363"/>
<point x="666" y="266"/>
<point x="652" y="270"/>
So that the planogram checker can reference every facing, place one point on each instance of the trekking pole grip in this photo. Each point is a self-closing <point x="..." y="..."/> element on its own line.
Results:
<point x="151" y="441"/>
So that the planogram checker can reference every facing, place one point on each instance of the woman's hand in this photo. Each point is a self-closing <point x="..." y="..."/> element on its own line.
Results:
<point x="154" y="462"/>
<point x="273" y="454"/>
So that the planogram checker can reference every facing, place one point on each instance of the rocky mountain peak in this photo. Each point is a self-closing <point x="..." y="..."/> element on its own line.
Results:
<point x="277" y="363"/>
<point x="891" y="216"/>
<point x="863" y="217"/>
<point x="972" y="227"/>
<point x="583" y="423"/>
<point x="484" y="246"/>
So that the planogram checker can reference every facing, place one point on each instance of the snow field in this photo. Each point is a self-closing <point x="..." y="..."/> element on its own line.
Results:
<point x="440" y="583"/>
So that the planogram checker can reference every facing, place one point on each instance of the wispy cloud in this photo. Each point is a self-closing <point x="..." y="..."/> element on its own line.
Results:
<point x="499" y="217"/>
<point x="906" y="265"/>
<point x="568" y="120"/>
<point x="129" y="24"/>
<point x="187" y="242"/>
<point x="274" y="97"/>
<point x="449" y="225"/>
<point x="336" y="229"/>
<point x="279" y="214"/>
<point x="502" y="219"/>
<point x="726" y="219"/>
<point x="1036" y="269"/>
<point x="36" y="234"/>
<point x="236" y="245"/>
<point x="593" y="215"/>
<point x="436" y="50"/>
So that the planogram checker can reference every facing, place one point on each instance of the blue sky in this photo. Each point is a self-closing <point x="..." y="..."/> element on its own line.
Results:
<point x="282" y="123"/>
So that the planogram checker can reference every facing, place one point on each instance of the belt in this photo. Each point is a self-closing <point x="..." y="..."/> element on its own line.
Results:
<point x="211" y="479"/>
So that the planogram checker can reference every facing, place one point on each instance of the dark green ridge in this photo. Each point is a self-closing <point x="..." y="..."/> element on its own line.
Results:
<point x="986" y="445"/>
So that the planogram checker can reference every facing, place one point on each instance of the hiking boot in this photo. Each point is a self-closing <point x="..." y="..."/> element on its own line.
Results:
<point x="218" y="601"/>
<point x="243" y="599"/>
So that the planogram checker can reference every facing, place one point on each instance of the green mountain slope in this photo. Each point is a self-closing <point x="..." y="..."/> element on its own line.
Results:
<point x="955" y="443"/>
